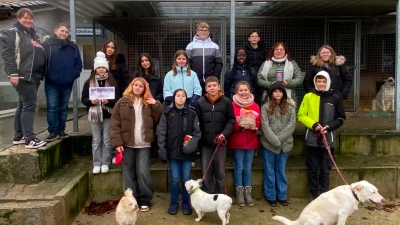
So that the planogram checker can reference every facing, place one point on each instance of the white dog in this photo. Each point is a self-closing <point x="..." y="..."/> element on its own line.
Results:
<point x="385" y="97"/>
<point x="334" y="206"/>
<point x="126" y="212"/>
<point x="203" y="202"/>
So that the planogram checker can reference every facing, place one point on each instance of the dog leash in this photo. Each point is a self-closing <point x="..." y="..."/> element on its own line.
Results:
<point x="330" y="155"/>
<point x="220" y="142"/>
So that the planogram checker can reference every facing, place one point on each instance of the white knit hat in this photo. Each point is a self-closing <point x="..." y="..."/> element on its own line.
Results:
<point x="100" y="60"/>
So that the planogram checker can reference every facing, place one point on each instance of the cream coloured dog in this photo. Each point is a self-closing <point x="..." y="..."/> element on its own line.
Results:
<point x="385" y="97"/>
<point x="126" y="212"/>
<point x="334" y="206"/>
<point x="203" y="202"/>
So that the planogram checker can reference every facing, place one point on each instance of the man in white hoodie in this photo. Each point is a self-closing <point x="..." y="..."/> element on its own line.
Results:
<point x="204" y="55"/>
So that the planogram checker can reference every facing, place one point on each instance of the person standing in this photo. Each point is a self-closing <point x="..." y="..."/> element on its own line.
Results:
<point x="278" y="118"/>
<point x="64" y="65"/>
<point x="25" y="65"/>
<point x="204" y="55"/>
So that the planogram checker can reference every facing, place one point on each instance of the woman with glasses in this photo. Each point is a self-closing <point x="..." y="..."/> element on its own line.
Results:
<point x="239" y="71"/>
<point x="280" y="67"/>
<point x="327" y="60"/>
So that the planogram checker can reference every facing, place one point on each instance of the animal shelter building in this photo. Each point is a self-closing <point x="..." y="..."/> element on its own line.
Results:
<point x="364" y="31"/>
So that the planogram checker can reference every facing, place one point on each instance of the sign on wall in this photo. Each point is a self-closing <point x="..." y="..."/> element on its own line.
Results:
<point x="88" y="31"/>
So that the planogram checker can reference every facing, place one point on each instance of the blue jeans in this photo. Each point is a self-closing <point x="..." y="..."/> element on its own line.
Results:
<point x="25" y="112"/>
<point x="179" y="170"/>
<point x="275" y="182"/>
<point x="57" y="98"/>
<point x="242" y="173"/>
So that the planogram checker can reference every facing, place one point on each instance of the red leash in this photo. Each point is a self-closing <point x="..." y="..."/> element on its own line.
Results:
<point x="330" y="155"/>
<point x="220" y="142"/>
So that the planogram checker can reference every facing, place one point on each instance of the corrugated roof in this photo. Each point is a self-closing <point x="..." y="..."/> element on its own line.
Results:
<point x="20" y="3"/>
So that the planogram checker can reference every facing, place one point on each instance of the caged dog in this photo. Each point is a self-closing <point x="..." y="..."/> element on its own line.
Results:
<point x="126" y="212"/>
<point x="334" y="206"/>
<point x="385" y="97"/>
<point x="203" y="202"/>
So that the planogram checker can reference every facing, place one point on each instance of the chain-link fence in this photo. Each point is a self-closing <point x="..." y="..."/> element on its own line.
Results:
<point x="369" y="42"/>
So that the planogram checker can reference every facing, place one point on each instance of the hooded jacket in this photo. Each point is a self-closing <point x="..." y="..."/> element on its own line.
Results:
<point x="120" y="73"/>
<point x="239" y="73"/>
<point x="155" y="85"/>
<point x="174" y="125"/>
<point x="338" y="73"/>
<point x="278" y="128"/>
<point x="256" y="56"/>
<point x="19" y="53"/>
<point x="205" y="58"/>
<point x="324" y="108"/>
<point x="64" y="62"/>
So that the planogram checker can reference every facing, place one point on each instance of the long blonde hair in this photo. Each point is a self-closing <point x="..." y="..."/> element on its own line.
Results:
<point x="320" y="63"/>
<point x="146" y="92"/>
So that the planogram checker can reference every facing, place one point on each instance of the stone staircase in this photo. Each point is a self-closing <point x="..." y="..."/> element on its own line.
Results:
<point x="53" y="184"/>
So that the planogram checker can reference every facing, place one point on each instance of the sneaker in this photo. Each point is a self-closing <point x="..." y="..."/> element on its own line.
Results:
<point x="104" y="169"/>
<point x="63" y="135"/>
<point x="18" y="140"/>
<point x="283" y="202"/>
<point x="35" y="143"/>
<point x="144" y="208"/>
<point x="51" y="137"/>
<point x="173" y="208"/>
<point x="271" y="203"/>
<point x="96" y="169"/>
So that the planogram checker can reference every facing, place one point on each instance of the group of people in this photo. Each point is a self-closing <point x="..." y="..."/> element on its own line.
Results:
<point x="259" y="94"/>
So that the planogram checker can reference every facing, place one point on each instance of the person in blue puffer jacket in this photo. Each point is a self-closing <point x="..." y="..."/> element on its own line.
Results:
<point x="181" y="76"/>
<point x="64" y="65"/>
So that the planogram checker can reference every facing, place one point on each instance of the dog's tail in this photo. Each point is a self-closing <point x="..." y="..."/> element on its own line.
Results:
<point x="284" y="220"/>
<point x="128" y="192"/>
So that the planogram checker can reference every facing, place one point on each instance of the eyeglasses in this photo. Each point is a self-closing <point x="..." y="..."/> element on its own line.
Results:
<point x="255" y="36"/>
<point x="241" y="55"/>
<point x="203" y="31"/>
<point x="325" y="53"/>
<point x="279" y="50"/>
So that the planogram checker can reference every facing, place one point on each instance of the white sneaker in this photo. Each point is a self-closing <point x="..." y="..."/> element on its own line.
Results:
<point x="104" y="169"/>
<point x="113" y="161"/>
<point x="96" y="169"/>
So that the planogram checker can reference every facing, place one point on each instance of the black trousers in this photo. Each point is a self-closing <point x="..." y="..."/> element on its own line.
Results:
<point x="318" y="158"/>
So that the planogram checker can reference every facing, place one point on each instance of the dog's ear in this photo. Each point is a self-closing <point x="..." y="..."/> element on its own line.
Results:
<point x="359" y="187"/>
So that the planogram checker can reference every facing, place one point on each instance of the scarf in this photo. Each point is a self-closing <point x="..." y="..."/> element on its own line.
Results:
<point x="287" y="71"/>
<point x="95" y="113"/>
<point x="243" y="102"/>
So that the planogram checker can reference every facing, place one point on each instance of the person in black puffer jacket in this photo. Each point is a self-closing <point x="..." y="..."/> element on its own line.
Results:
<point x="177" y="122"/>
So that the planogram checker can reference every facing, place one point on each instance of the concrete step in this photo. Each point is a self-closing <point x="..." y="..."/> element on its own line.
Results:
<point x="57" y="200"/>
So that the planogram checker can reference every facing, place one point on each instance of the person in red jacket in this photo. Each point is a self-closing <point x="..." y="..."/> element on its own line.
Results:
<point x="243" y="140"/>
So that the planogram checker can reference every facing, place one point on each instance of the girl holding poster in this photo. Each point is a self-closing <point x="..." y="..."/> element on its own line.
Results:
<point x="99" y="112"/>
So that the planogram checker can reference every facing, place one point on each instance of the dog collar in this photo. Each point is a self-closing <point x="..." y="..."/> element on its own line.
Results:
<point x="355" y="195"/>
<point x="194" y="190"/>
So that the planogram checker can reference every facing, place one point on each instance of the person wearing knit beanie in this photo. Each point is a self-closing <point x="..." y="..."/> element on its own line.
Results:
<point x="100" y="60"/>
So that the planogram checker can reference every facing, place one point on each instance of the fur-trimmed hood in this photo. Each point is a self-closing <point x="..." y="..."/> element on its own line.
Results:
<point x="339" y="60"/>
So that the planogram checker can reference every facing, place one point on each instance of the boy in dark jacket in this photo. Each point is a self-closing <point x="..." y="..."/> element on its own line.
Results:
<point x="321" y="111"/>
<point x="178" y="136"/>
<point x="216" y="118"/>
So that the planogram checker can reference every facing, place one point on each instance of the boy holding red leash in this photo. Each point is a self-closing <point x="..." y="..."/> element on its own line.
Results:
<point x="216" y="122"/>
<point x="321" y="111"/>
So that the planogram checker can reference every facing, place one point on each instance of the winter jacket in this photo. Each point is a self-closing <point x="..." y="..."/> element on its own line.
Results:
<point x="256" y="56"/>
<point x="340" y="76"/>
<point x="205" y="58"/>
<point x="215" y="119"/>
<point x="278" y="128"/>
<point x="174" y="125"/>
<point x="239" y="73"/>
<point x="120" y="73"/>
<point x="295" y="82"/>
<point x="23" y="54"/>
<point x="190" y="84"/>
<point x="324" y="108"/>
<point x="241" y="138"/>
<point x="122" y="126"/>
<point x="64" y="62"/>
<point x="155" y="85"/>
<point x="88" y="103"/>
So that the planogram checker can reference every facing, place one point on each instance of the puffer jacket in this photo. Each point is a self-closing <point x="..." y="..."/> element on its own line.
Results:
<point x="239" y="73"/>
<point x="19" y="54"/>
<point x="215" y="119"/>
<point x="64" y="63"/>
<point x="256" y="56"/>
<point x="174" y="125"/>
<point x="205" y="58"/>
<point x="122" y="128"/>
<point x="339" y="74"/>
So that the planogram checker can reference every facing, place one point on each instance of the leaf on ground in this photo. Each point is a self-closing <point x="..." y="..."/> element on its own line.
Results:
<point x="272" y="211"/>
<point x="364" y="218"/>
<point x="261" y="210"/>
<point x="258" y="199"/>
<point x="370" y="207"/>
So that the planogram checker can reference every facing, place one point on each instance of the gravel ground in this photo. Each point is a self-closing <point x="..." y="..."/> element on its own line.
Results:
<point x="260" y="213"/>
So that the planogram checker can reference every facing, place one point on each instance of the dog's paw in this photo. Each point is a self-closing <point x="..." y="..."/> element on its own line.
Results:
<point x="197" y="219"/>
